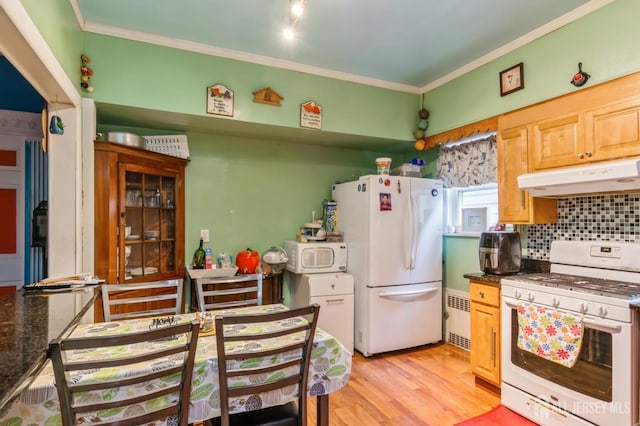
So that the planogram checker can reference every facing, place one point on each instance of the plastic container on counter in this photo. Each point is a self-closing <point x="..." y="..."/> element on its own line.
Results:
<point x="383" y="165"/>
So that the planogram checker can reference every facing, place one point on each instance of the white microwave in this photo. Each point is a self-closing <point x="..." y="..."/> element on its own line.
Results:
<point x="316" y="257"/>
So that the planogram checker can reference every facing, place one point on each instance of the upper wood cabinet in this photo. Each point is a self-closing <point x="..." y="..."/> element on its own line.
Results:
<point x="606" y="133"/>
<point x="515" y="204"/>
<point x="593" y="124"/>
<point x="613" y="131"/>
<point x="139" y="214"/>
<point x="556" y="142"/>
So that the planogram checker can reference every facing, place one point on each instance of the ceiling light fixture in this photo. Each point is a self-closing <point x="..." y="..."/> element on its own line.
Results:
<point x="296" y="9"/>
<point x="289" y="32"/>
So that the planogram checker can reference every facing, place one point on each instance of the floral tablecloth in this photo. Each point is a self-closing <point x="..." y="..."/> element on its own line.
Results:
<point x="330" y="368"/>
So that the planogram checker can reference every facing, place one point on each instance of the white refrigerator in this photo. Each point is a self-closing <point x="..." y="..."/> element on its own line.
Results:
<point x="393" y="229"/>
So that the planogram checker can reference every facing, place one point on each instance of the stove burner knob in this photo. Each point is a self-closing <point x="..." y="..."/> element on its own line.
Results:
<point x="531" y="297"/>
<point x="584" y="308"/>
<point x="602" y="311"/>
<point x="556" y="302"/>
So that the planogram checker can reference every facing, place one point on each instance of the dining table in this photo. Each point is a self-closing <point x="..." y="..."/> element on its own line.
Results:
<point x="329" y="371"/>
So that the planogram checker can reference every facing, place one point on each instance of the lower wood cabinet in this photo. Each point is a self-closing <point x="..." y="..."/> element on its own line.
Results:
<point x="485" y="331"/>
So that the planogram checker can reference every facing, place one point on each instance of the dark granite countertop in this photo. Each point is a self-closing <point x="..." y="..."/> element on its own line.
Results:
<point x="29" y="320"/>
<point x="528" y="266"/>
<point x="484" y="278"/>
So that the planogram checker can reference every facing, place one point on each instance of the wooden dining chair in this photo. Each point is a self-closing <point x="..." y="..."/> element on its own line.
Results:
<point x="219" y="293"/>
<point x="158" y="390"/>
<point x="286" y="349"/>
<point x="144" y="299"/>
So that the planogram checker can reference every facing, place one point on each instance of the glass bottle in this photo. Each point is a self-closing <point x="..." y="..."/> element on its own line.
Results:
<point x="199" y="256"/>
<point x="156" y="198"/>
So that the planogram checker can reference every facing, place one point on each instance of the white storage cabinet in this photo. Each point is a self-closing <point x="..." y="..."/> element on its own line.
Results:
<point x="334" y="293"/>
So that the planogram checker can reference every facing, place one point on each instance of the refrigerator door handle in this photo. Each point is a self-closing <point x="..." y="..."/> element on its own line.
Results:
<point x="414" y="232"/>
<point x="402" y="294"/>
<point x="408" y="235"/>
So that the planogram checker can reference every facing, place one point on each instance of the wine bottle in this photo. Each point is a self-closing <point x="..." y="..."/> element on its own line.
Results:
<point x="199" y="256"/>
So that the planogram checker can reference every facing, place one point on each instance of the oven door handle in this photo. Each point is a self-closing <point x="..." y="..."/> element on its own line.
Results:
<point x="597" y="325"/>
<point x="588" y="323"/>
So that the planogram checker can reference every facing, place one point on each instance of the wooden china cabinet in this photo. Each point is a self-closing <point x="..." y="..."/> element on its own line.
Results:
<point x="139" y="215"/>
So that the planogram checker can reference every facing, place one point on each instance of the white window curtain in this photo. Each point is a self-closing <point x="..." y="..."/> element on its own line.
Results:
<point x="468" y="163"/>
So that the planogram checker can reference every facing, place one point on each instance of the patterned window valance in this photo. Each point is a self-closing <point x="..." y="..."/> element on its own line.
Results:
<point x="470" y="163"/>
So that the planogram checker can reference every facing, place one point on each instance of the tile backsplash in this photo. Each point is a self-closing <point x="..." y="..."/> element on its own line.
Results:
<point x="607" y="217"/>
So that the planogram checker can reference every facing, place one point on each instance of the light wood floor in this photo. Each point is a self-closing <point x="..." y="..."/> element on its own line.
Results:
<point x="430" y="385"/>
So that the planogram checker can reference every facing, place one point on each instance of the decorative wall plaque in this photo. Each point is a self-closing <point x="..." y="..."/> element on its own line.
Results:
<point x="311" y="115"/>
<point x="220" y="100"/>
<point x="267" y="96"/>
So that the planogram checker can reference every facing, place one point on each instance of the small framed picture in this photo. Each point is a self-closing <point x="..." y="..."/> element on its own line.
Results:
<point x="512" y="79"/>
<point x="474" y="219"/>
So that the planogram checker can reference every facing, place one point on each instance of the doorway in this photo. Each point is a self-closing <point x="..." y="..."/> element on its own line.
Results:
<point x="24" y="47"/>
<point x="23" y="177"/>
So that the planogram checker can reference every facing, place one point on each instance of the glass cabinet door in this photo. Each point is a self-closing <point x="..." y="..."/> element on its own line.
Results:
<point x="148" y="225"/>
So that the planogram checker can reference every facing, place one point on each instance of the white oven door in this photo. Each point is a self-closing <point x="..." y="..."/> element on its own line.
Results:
<point x="601" y="387"/>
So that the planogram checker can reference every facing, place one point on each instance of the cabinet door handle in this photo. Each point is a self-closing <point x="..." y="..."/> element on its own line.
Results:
<point x="580" y="155"/>
<point x="588" y="154"/>
<point x="482" y="294"/>
<point x="493" y="346"/>
<point x="522" y="199"/>
<point x="335" y="300"/>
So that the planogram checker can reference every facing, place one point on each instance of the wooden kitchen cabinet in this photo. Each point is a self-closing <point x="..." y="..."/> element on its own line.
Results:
<point x="594" y="124"/>
<point x="485" y="331"/>
<point x="606" y="133"/>
<point x="139" y="214"/>
<point x="597" y="123"/>
<point x="613" y="131"/>
<point x="516" y="205"/>
<point x="556" y="142"/>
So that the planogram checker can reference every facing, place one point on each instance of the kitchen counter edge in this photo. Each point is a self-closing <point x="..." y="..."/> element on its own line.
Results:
<point x="483" y="278"/>
<point x="32" y="307"/>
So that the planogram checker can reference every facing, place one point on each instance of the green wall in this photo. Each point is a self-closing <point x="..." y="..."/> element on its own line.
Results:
<point x="252" y="193"/>
<point x="256" y="192"/>
<point x="460" y="257"/>
<point x="249" y="192"/>
<point x="605" y="41"/>
<point x="166" y="79"/>
<point x="58" y="25"/>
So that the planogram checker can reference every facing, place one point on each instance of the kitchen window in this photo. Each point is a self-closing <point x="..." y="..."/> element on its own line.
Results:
<point x="467" y="168"/>
<point x="470" y="210"/>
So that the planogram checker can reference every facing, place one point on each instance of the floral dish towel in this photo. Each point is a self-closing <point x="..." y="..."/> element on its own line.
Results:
<point x="549" y="333"/>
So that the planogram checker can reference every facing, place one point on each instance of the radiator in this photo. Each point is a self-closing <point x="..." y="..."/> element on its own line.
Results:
<point x="457" y="319"/>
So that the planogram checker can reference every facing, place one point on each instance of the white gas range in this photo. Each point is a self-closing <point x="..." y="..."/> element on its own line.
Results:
<point x="596" y="282"/>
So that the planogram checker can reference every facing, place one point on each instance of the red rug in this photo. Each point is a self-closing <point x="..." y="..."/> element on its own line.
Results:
<point x="498" y="416"/>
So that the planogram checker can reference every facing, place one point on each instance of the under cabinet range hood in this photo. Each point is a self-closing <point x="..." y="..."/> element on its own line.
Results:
<point x="608" y="176"/>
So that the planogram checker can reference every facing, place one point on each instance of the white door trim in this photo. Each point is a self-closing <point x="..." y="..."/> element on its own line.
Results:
<point x="23" y="45"/>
